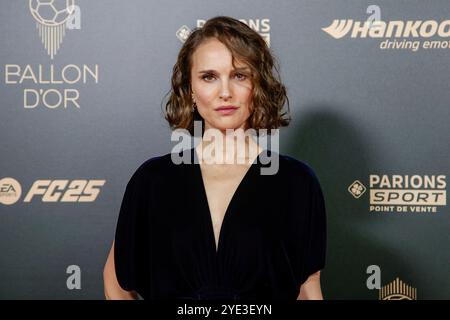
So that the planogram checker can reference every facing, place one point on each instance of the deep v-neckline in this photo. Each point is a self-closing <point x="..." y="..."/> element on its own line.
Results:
<point x="205" y="204"/>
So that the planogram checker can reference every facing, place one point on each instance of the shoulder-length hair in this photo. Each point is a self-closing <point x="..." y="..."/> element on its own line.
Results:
<point x="268" y="94"/>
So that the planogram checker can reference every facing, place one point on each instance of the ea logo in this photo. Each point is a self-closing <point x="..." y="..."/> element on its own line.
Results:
<point x="10" y="191"/>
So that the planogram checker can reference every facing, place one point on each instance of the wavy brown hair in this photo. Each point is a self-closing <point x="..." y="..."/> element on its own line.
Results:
<point x="268" y="95"/>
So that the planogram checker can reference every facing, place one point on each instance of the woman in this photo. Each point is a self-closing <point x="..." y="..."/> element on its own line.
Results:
<point x="208" y="229"/>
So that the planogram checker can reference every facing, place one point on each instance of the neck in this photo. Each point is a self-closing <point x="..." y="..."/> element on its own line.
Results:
<point x="236" y="147"/>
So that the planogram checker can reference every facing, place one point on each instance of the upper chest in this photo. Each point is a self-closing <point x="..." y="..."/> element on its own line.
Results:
<point x="221" y="183"/>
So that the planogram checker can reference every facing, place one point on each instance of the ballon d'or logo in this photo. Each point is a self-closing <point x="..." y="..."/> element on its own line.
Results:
<point x="51" y="17"/>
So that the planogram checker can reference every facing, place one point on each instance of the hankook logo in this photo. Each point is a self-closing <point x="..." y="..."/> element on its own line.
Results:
<point x="388" y="29"/>
<point x="398" y="34"/>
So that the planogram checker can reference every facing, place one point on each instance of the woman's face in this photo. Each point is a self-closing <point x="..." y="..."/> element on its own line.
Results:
<point x="215" y="84"/>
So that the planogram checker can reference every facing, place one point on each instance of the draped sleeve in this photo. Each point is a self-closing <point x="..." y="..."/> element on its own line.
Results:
<point x="131" y="237"/>
<point x="306" y="236"/>
<point x="316" y="233"/>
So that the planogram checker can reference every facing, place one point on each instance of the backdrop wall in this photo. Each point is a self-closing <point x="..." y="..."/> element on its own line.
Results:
<point x="80" y="110"/>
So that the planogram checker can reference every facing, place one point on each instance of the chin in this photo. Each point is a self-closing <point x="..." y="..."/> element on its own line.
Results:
<point x="225" y="126"/>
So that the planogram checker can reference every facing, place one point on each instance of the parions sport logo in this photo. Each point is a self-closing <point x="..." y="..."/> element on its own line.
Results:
<point x="58" y="190"/>
<point x="48" y="86"/>
<point x="403" y="193"/>
<point x="260" y="25"/>
<point x="397" y="34"/>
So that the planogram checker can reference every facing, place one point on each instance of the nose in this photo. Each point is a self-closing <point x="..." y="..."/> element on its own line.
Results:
<point x="225" y="92"/>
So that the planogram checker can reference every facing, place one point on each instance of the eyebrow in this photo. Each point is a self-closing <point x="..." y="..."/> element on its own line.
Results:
<point x="213" y="71"/>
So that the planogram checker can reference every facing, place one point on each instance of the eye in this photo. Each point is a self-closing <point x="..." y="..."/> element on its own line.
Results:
<point x="241" y="76"/>
<point x="208" y="77"/>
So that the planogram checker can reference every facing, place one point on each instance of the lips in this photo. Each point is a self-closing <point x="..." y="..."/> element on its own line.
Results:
<point x="226" y="110"/>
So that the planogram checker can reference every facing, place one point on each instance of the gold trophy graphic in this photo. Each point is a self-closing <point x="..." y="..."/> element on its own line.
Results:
<point x="398" y="290"/>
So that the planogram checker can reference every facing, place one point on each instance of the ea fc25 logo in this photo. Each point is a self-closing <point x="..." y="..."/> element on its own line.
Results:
<point x="10" y="191"/>
<point x="53" y="17"/>
<point x="51" y="190"/>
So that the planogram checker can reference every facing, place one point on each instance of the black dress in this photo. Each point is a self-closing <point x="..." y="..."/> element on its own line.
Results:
<point x="273" y="234"/>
